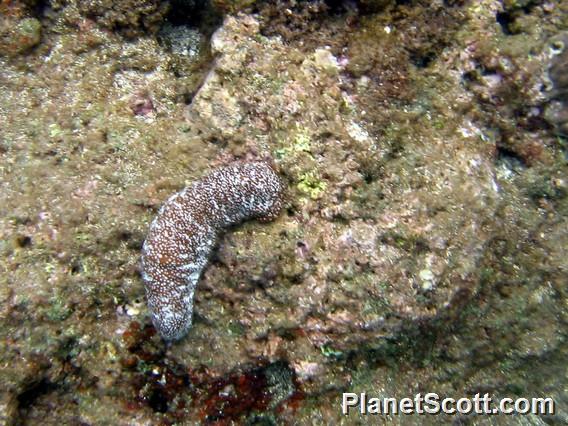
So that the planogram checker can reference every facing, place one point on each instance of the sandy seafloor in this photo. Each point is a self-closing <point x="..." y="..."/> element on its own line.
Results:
<point x="423" y="246"/>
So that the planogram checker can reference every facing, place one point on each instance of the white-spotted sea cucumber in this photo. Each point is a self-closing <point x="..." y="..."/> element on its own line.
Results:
<point x="184" y="233"/>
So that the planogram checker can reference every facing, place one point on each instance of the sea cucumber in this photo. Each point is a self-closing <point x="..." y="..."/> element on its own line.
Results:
<point x="183" y="235"/>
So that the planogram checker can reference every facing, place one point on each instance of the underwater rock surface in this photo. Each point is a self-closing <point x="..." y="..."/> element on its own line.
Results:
<point x="348" y="271"/>
<point x="557" y="111"/>
<point x="422" y="245"/>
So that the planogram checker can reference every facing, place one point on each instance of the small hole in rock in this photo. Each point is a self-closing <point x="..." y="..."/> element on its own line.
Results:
<point x="76" y="267"/>
<point x="23" y="241"/>
<point x="505" y="19"/>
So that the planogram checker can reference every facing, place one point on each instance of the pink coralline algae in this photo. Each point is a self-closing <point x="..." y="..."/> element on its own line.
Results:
<point x="183" y="235"/>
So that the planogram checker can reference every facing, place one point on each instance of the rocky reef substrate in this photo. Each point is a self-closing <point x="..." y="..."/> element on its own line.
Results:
<point x="423" y="242"/>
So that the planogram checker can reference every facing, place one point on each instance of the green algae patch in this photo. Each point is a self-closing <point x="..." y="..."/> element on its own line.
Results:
<point x="301" y="144"/>
<point x="311" y="184"/>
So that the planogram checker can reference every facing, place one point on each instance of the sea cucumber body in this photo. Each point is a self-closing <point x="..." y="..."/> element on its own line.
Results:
<point x="183" y="235"/>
